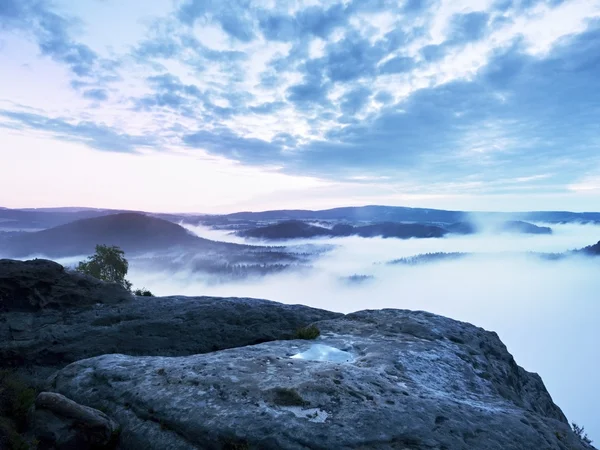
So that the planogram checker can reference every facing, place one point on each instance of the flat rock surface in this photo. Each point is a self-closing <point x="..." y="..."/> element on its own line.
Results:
<point x="389" y="379"/>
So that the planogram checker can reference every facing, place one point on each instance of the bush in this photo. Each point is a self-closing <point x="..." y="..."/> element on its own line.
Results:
<point x="143" y="292"/>
<point x="311" y="332"/>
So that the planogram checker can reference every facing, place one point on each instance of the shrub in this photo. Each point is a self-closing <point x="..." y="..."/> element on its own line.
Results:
<point x="311" y="332"/>
<point x="580" y="433"/>
<point x="16" y="398"/>
<point x="143" y="292"/>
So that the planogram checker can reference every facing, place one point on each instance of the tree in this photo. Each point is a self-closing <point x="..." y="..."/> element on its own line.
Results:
<point x="107" y="264"/>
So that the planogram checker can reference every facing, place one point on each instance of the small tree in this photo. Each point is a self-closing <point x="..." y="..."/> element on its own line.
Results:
<point x="107" y="264"/>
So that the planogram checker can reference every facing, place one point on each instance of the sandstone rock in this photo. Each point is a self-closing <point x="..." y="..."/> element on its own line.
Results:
<point x="82" y="326"/>
<point x="385" y="379"/>
<point x="167" y="326"/>
<point x="60" y="423"/>
<point x="39" y="283"/>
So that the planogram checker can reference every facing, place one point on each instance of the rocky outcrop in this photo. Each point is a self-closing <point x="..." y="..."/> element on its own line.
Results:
<point x="387" y="379"/>
<point x="39" y="283"/>
<point x="53" y="317"/>
<point x="61" y="424"/>
<point x="165" y="326"/>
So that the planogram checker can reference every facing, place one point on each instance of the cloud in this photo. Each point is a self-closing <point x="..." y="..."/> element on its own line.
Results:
<point x="52" y="34"/>
<point x="312" y="21"/>
<point x="234" y="17"/>
<point x="224" y="142"/>
<point x="98" y="136"/>
<point x="518" y="112"/>
<point x="355" y="100"/>
<point x="96" y="94"/>
<point x="425" y="91"/>
<point x="398" y="64"/>
<point x="468" y="27"/>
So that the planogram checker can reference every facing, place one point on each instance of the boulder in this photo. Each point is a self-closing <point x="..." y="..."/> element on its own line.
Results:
<point x="60" y="423"/>
<point x="37" y="284"/>
<point x="389" y="379"/>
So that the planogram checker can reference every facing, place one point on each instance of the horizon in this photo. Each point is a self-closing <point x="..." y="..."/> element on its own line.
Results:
<point x="472" y="105"/>
<point x="75" y="208"/>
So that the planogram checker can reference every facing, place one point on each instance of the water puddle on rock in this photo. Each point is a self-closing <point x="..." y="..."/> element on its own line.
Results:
<point x="320" y="352"/>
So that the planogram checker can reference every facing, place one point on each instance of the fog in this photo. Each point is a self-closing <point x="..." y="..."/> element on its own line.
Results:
<point x="546" y="312"/>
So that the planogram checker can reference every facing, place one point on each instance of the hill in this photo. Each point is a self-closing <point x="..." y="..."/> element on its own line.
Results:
<point x="133" y="232"/>
<point x="37" y="219"/>
<point x="295" y="229"/>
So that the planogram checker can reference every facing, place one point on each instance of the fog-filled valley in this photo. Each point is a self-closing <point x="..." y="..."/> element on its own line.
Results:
<point x="545" y="311"/>
<point x="534" y="289"/>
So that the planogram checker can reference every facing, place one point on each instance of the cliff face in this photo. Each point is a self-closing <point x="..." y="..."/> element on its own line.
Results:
<point x="213" y="373"/>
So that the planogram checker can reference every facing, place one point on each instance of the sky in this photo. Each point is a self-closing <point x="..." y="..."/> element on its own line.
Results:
<point x="212" y="106"/>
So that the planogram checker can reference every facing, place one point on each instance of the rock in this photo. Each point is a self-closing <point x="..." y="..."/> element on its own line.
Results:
<point x="90" y="318"/>
<point x="388" y="379"/>
<point x="39" y="283"/>
<point x="60" y="423"/>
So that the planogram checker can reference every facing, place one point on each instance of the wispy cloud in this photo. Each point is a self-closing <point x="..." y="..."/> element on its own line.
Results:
<point x="95" y="135"/>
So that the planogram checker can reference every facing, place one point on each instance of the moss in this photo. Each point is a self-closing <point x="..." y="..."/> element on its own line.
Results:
<point x="287" y="397"/>
<point x="311" y="332"/>
<point x="558" y="435"/>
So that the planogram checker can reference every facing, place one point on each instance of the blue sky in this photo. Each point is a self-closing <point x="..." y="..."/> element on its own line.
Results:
<point x="207" y="105"/>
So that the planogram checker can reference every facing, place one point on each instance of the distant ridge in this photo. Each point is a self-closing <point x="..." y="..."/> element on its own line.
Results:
<point x="133" y="232"/>
<point x="378" y="213"/>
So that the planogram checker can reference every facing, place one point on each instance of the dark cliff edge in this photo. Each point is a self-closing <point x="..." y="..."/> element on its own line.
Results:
<point x="224" y="373"/>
